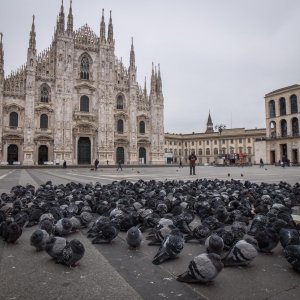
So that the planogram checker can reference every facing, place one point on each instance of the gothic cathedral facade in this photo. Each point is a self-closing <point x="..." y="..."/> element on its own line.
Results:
<point x="76" y="102"/>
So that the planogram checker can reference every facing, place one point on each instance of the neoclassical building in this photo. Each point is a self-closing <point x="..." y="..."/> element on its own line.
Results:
<point x="76" y="101"/>
<point x="282" y="124"/>
<point x="236" y="145"/>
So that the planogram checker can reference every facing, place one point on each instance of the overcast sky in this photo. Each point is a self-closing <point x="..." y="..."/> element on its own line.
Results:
<point x="216" y="55"/>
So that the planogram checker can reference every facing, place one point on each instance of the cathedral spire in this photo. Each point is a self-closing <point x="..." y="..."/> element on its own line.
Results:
<point x="153" y="81"/>
<point x="102" y="28"/>
<point x="32" y="42"/>
<point x="158" y="81"/>
<point x="1" y="57"/>
<point x="61" y="19"/>
<point x="70" y="20"/>
<point x="145" y="87"/>
<point x="209" y="125"/>
<point x="132" y="56"/>
<point x="110" y="33"/>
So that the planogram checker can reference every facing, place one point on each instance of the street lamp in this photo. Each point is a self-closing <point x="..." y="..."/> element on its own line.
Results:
<point x="220" y="128"/>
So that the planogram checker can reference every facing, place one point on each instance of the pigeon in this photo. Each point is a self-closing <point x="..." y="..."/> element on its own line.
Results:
<point x="63" y="227"/>
<point x="267" y="240"/>
<point x="199" y="233"/>
<point x="38" y="239"/>
<point x="11" y="231"/>
<point x="292" y="254"/>
<point x="55" y="246"/>
<point x="202" y="269"/>
<point x="160" y="232"/>
<point x="289" y="237"/>
<point x="170" y="247"/>
<point x="71" y="253"/>
<point x="134" y="237"/>
<point x="47" y="225"/>
<point x="241" y="254"/>
<point x="22" y="219"/>
<point x="107" y="233"/>
<point x="214" y="244"/>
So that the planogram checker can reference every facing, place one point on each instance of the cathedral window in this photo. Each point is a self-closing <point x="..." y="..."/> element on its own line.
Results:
<point x="44" y="121"/>
<point x="294" y="104"/>
<point x="272" y="110"/>
<point x="45" y="94"/>
<point x="120" y="102"/>
<point x="295" y="127"/>
<point x="84" y="104"/>
<point x="282" y="106"/>
<point x="85" y="68"/>
<point x="142" y="127"/>
<point x="120" y="126"/>
<point x="13" y="120"/>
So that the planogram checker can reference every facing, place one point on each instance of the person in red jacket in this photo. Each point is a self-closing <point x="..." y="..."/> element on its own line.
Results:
<point x="192" y="159"/>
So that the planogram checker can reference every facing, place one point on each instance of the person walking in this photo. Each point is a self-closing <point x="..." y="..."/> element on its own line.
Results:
<point x="119" y="165"/>
<point x="64" y="164"/>
<point x="192" y="159"/>
<point x="261" y="163"/>
<point x="180" y="163"/>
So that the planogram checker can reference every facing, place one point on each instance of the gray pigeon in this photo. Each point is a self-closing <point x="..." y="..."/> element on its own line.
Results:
<point x="11" y="231"/>
<point x="202" y="269"/>
<point x="214" y="244"/>
<point x="47" y="225"/>
<point x="170" y="247"/>
<point x="71" y="254"/>
<point x="134" y="237"/>
<point x="107" y="233"/>
<point x="47" y="216"/>
<point x="160" y="231"/>
<point x="289" y="237"/>
<point x="38" y="239"/>
<point x="241" y="254"/>
<point x="267" y="240"/>
<point x="292" y="254"/>
<point x="55" y="246"/>
<point x="63" y="227"/>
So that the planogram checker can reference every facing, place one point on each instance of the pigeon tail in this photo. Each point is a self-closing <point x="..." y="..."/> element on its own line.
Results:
<point x="186" y="277"/>
<point x="160" y="258"/>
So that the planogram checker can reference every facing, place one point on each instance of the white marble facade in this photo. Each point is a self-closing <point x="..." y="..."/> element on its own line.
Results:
<point x="76" y="101"/>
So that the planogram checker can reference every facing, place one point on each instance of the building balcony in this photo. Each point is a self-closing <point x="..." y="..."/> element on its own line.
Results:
<point x="47" y="131"/>
<point x="84" y="116"/>
<point x="13" y="129"/>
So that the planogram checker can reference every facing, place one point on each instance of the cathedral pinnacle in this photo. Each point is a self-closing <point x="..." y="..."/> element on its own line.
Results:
<point x="1" y="55"/>
<point x="132" y="56"/>
<point x="145" y="87"/>
<point x="110" y="33"/>
<point x="102" y="28"/>
<point x="153" y="81"/>
<point x="61" y="19"/>
<point x="70" y="20"/>
<point x="32" y="42"/>
<point x="158" y="81"/>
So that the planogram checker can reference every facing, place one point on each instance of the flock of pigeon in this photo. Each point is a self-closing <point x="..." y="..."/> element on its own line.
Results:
<point x="238" y="220"/>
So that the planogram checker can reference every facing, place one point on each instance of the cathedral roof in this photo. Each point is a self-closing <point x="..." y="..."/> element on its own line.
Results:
<point x="85" y="37"/>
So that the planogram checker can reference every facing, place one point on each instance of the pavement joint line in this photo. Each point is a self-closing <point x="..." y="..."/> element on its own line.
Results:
<point x="4" y="175"/>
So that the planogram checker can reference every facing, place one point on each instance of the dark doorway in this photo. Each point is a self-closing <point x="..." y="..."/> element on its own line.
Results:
<point x="283" y="148"/>
<point x="120" y="155"/>
<point x="272" y="157"/>
<point x="12" y="154"/>
<point x="43" y="154"/>
<point x="84" y="151"/>
<point x="142" y="155"/>
<point x="295" y="156"/>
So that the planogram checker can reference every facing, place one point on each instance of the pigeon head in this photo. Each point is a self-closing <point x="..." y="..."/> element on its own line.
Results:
<point x="216" y="260"/>
<point x="37" y="236"/>
<point x="66" y="223"/>
<point x="77" y="246"/>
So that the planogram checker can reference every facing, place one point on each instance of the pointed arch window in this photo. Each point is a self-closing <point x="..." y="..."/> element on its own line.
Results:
<point x="294" y="104"/>
<point x="142" y="127"/>
<point x="120" y="102"/>
<point x="272" y="111"/>
<point x="84" y="104"/>
<point x="44" y="121"/>
<point x="282" y="106"/>
<point x="85" y="68"/>
<point x="13" y="120"/>
<point x="45" y="94"/>
<point x="120" y="126"/>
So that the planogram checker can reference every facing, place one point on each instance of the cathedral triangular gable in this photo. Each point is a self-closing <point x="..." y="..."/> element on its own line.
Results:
<point x="86" y="37"/>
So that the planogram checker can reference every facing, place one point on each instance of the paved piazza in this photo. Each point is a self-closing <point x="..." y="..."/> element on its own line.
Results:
<point x="115" y="272"/>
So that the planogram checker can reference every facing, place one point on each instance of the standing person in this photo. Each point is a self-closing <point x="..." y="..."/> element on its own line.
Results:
<point x="119" y="165"/>
<point x="96" y="164"/>
<point x="192" y="159"/>
<point x="107" y="162"/>
<point x="180" y="163"/>
<point x="261" y="163"/>
<point x="64" y="164"/>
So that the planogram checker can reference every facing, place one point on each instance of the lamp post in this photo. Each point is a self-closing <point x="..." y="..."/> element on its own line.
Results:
<point x="220" y="128"/>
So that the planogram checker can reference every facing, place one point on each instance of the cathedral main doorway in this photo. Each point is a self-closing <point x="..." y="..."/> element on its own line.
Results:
<point x="12" y="154"/>
<point x="43" y="154"/>
<point x="84" y="151"/>
<point x="120" y="155"/>
<point x="142" y="155"/>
